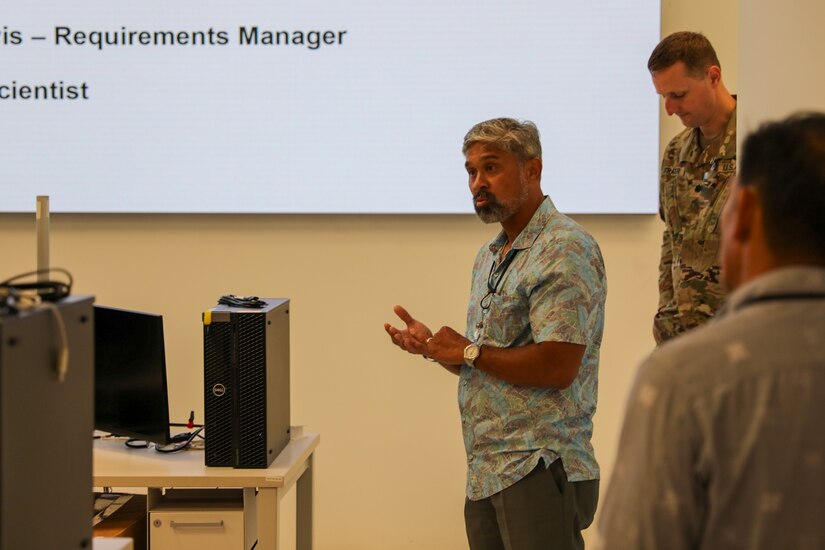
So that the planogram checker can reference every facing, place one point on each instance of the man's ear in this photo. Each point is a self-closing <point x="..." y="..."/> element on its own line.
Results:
<point x="714" y="74"/>
<point x="532" y="169"/>
<point x="748" y="214"/>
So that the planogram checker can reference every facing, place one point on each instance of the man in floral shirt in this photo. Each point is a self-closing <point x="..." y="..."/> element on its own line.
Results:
<point x="528" y="361"/>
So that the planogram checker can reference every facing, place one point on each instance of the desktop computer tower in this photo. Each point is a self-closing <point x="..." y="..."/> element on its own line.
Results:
<point x="46" y="426"/>
<point x="246" y="383"/>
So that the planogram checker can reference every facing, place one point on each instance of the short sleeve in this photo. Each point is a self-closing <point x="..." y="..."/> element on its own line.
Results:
<point x="567" y="301"/>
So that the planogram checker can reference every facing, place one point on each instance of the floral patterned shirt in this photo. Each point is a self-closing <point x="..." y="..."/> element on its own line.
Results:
<point x="549" y="287"/>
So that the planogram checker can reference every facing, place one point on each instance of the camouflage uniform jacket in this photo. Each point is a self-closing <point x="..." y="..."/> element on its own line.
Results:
<point x="694" y="185"/>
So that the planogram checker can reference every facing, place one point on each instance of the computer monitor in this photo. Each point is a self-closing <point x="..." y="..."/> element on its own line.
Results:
<point x="130" y="375"/>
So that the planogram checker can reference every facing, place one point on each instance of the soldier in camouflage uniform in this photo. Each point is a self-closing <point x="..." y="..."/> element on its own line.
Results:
<point x="697" y="168"/>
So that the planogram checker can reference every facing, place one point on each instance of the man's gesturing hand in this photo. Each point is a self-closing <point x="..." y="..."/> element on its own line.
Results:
<point x="413" y="338"/>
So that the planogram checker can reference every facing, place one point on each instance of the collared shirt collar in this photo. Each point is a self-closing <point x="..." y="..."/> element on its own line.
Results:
<point x="531" y="231"/>
<point x="783" y="282"/>
<point x="718" y="148"/>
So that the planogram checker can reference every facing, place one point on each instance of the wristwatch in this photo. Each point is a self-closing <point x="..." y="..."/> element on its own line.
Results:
<point x="471" y="353"/>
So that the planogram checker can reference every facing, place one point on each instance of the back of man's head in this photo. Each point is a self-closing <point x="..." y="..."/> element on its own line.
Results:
<point x="520" y="138"/>
<point x="691" y="48"/>
<point x="785" y="162"/>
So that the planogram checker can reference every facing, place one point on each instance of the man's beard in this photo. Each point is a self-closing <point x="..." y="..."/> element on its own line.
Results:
<point x="495" y="211"/>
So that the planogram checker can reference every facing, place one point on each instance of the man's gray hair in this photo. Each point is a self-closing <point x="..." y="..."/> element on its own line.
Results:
<point x="520" y="138"/>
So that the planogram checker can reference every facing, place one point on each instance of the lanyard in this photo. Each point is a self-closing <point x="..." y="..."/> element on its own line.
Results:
<point x="497" y="271"/>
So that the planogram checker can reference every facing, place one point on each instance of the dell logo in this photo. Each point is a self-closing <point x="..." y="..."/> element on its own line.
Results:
<point x="218" y="390"/>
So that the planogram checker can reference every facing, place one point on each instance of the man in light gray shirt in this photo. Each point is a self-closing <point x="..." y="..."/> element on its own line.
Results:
<point x="723" y="446"/>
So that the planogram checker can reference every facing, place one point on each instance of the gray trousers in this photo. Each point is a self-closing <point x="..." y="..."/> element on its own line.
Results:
<point x="543" y="511"/>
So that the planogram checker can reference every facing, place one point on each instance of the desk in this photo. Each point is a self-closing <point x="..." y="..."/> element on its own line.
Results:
<point x="115" y="465"/>
<point x="111" y="543"/>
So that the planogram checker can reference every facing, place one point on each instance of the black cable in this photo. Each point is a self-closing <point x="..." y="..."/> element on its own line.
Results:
<point x="180" y="442"/>
<point x="68" y="275"/>
<point x="190" y="424"/>
<point x="16" y="297"/>
<point x="177" y="442"/>
<point x="50" y="290"/>
<point x="241" y="301"/>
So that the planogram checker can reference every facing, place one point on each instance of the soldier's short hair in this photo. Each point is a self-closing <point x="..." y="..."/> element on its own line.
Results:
<point x="691" y="48"/>
<point x="520" y="138"/>
<point x="785" y="162"/>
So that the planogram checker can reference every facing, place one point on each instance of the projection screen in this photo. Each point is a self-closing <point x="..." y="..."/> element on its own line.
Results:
<point x="319" y="106"/>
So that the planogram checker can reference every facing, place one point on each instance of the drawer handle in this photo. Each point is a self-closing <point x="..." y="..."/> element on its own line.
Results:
<point x="192" y="524"/>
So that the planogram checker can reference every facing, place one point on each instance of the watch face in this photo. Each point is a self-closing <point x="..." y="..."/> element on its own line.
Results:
<point x="471" y="352"/>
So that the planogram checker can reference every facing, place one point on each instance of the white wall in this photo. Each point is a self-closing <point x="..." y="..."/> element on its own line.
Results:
<point x="390" y="468"/>
<point x="780" y="60"/>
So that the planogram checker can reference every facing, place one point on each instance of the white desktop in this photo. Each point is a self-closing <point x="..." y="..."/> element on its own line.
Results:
<point x="112" y="543"/>
<point x="180" y="483"/>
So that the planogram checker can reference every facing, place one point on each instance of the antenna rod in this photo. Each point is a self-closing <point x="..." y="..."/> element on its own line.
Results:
<point x="42" y="223"/>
